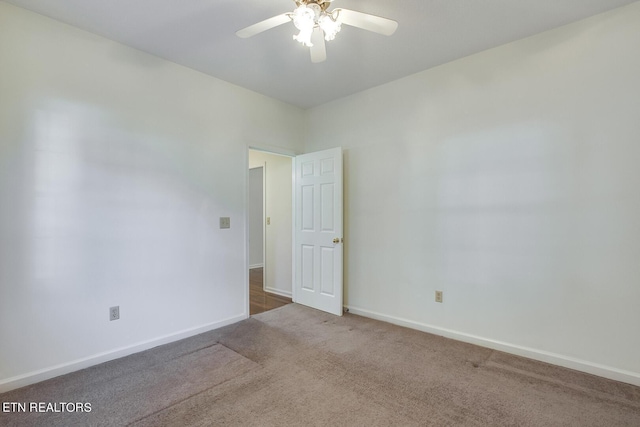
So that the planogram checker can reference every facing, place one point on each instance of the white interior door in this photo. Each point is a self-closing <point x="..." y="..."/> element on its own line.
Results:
<point x="318" y="247"/>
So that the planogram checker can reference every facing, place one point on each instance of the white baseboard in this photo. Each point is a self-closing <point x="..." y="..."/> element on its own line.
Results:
<point x="531" y="353"/>
<point x="256" y="266"/>
<point x="65" y="368"/>
<point x="278" y="292"/>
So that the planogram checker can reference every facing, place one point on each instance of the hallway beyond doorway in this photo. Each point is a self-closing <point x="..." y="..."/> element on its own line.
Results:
<point x="261" y="301"/>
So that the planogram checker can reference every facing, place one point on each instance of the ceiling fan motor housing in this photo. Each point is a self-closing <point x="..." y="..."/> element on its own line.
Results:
<point x="320" y="5"/>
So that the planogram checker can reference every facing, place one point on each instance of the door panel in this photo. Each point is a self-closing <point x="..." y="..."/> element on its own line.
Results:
<point x="327" y="269"/>
<point x="307" y="207"/>
<point x="306" y="267"/>
<point x="328" y="207"/>
<point x="318" y="247"/>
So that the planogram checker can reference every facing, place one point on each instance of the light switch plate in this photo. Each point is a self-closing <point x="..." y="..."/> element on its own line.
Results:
<point x="225" y="222"/>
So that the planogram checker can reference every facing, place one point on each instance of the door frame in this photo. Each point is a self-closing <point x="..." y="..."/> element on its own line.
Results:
<point x="294" y="160"/>
<point x="264" y="210"/>
<point x="278" y="152"/>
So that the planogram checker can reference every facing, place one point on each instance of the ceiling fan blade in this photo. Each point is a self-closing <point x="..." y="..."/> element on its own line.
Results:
<point x="319" y="49"/>
<point x="377" y="24"/>
<point x="265" y="25"/>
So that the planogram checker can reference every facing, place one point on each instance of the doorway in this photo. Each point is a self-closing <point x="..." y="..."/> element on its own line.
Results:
<point x="270" y="231"/>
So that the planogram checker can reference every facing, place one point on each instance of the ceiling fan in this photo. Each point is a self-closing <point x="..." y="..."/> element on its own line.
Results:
<point x="316" y="24"/>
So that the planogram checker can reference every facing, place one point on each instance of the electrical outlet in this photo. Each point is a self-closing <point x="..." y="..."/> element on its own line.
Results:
<point x="438" y="296"/>
<point x="225" y="222"/>
<point x="114" y="313"/>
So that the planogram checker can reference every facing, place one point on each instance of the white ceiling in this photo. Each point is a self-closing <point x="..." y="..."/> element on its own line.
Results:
<point x="200" y="34"/>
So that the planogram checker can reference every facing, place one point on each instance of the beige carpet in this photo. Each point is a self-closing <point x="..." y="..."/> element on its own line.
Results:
<point x="297" y="366"/>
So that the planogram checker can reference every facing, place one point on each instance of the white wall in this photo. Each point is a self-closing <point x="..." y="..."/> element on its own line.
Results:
<point x="256" y="217"/>
<point x="509" y="180"/>
<point x="115" y="167"/>
<point x="278" y="255"/>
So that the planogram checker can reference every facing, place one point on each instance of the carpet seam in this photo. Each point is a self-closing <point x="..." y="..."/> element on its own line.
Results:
<point x="194" y="395"/>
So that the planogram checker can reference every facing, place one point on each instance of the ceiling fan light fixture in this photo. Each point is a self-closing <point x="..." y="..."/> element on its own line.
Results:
<point x="304" y="37"/>
<point x="304" y="18"/>
<point x="329" y="26"/>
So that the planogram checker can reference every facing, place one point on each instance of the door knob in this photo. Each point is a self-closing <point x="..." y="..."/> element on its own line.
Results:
<point x="337" y="240"/>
